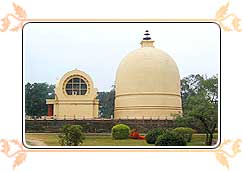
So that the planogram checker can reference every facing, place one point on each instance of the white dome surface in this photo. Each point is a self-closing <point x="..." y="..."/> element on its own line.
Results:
<point x="147" y="85"/>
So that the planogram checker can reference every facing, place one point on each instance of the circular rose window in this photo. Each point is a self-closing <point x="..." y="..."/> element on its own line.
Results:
<point x="76" y="86"/>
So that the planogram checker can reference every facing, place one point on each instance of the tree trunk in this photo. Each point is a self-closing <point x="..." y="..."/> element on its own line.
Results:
<point x="210" y="139"/>
<point x="206" y="140"/>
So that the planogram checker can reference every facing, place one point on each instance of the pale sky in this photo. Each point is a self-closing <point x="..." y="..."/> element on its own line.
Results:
<point x="52" y="49"/>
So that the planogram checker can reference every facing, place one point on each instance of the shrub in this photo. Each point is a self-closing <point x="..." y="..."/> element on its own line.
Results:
<point x="186" y="133"/>
<point x="170" y="138"/>
<point x="120" y="131"/>
<point x="71" y="135"/>
<point x="153" y="134"/>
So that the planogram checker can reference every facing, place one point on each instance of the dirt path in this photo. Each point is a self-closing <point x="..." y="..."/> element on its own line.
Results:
<point x="35" y="142"/>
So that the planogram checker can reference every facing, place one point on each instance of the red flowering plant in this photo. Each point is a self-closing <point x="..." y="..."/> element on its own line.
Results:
<point x="135" y="135"/>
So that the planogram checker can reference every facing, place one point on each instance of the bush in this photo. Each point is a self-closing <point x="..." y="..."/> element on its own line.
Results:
<point x="153" y="134"/>
<point x="71" y="135"/>
<point x="120" y="131"/>
<point x="186" y="133"/>
<point x="170" y="138"/>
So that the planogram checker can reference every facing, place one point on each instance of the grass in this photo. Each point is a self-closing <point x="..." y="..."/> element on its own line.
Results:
<point x="48" y="139"/>
<point x="108" y="141"/>
<point x="199" y="139"/>
<point x="102" y="140"/>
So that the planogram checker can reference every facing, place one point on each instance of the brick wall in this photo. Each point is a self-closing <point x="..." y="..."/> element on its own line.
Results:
<point x="95" y="126"/>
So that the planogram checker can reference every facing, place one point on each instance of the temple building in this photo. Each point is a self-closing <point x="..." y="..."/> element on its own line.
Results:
<point x="147" y="84"/>
<point x="75" y="97"/>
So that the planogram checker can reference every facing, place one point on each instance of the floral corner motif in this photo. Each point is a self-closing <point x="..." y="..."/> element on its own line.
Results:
<point x="223" y="156"/>
<point x="18" y="17"/>
<point x="223" y="17"/>
<point x="18" y="154"/>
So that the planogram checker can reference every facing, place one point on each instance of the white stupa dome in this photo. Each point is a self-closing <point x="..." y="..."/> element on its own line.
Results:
<point x="147" y="84"/>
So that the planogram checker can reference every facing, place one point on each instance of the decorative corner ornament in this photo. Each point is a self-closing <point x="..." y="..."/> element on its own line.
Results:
<point x="223" y="156"/>
<point x="19" y="17"/>
<point x="18" y="154"/>
<point x="222" y="16"/>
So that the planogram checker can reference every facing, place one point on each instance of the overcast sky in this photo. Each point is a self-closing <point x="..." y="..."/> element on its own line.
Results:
<point x="52" y="49"/>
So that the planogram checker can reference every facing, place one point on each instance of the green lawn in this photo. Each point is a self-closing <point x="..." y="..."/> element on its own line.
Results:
<point x="48" y="139"/>
<point x="52" y="140"/>
<point x="199" y="140"/>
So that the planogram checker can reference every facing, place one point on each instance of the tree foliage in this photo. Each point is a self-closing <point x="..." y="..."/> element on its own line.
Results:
<point x="35" y="98"/>
<point x="200" y="104"/>
<point x="106" y="103"/>
<point x="71" y="135"/>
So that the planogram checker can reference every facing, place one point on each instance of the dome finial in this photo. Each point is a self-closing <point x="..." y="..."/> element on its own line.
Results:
<point x="147" y="35"/>
<point x="147" y="42"/>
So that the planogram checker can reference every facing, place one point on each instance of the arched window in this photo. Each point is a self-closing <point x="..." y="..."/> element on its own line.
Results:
<point x="76" y="86"/>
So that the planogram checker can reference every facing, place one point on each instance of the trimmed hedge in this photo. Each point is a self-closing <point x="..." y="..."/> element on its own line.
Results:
<point x="152" y="135"/>
<point x="170" y="138"/>
<point x="120" y="131"/>
<point x="186" y="133"/>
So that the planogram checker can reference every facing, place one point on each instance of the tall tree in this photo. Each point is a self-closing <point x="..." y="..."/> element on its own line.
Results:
<point x="106" y="103"/>
<point x="189" y="87"/>
<point x="35" y="98"/>
<point x="200" y="104"/>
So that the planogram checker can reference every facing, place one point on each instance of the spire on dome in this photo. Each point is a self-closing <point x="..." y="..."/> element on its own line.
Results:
<point x="147" y="42"/>
<point x="147" y="35"/>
